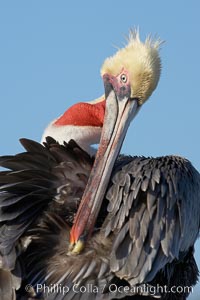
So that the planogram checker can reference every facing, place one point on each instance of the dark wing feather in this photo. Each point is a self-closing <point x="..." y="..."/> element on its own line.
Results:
<point x="43" y="178"/>
<point x="48" y="262"/>
<point x="154" y="212"/>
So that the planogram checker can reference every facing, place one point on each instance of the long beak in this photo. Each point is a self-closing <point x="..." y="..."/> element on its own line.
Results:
<point x="118" y="115"/>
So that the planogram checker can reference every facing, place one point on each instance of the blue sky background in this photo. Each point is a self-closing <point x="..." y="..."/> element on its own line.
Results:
<point x="50" y="58"/>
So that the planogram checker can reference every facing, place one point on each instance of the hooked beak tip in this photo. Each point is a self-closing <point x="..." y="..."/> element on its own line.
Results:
<point x="76" y="248"/>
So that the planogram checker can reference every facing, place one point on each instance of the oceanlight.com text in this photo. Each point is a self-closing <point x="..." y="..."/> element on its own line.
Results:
<point x="112" y="288"/>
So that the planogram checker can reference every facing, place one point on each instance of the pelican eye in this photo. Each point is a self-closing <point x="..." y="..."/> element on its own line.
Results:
<point x="123" y="78"/>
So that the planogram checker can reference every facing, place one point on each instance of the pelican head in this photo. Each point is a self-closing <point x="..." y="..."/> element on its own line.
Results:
<point x="130" y="77"/>
<point x="135" y="67"/>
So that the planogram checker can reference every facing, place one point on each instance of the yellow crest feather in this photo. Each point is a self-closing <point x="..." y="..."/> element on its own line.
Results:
<point x="141" y="60"/>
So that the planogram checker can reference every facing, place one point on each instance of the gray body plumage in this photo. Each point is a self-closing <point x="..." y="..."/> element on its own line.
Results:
<point x="154" y="207"/>
<point x="144" y="234"/>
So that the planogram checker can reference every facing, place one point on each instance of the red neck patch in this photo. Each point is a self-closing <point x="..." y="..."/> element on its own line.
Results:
<point x="83" y="114"/>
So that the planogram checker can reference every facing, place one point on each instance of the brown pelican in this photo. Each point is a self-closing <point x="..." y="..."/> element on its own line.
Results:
<point x="116" y="227"/>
